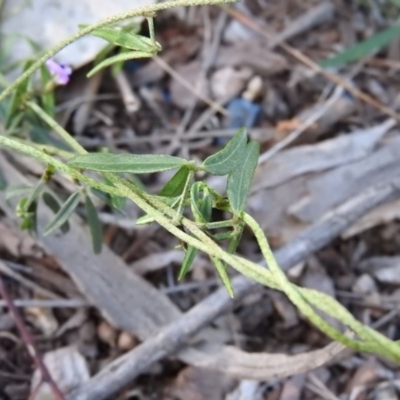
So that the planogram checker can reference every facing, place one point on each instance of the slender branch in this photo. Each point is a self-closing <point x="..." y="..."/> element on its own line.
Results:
<point x="29" y="343"/>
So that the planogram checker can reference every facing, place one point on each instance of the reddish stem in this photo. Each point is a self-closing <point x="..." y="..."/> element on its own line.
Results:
<point x="29" y="343"/>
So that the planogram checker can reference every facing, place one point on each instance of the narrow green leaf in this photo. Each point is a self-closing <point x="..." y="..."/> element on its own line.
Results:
<point x="3" y="180"/>
<point x="223" y="274"/>
<point x="116" y="68"/>
<point x="145" y="219"/>
<point x="130" y="55"/>
<point x="54" y="206"/>
<point x="132" y="28"/>
<point x="105" y="197"/>
<point x="138" y="164"/>
<point x="63" y="213"/>
<point x="201" y="202"/>
<point x="19" y="191"/>
<point x="226" y="160"/>
<point x="17" y="99"/>
<point x="175" y="186"/>
<point x="103" y="53"/>
<point x="239" y="181"/>
<point x="122" y="38"/>
<point x="190" y="255"/>
<point x="95" y="225"/>
<point x="364" y="48"/>
<point x="47" y="97"/>
<point x="117" y="202"/>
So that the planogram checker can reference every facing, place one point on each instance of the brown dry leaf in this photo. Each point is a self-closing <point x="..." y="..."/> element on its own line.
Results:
<point x="199" y="384"/>
<point x="288" y="125"/>
<point x="367" y="373"/>
<point x="379" y="216"/>
<point x="309" y="181"/>
<point x="68" y="369"/>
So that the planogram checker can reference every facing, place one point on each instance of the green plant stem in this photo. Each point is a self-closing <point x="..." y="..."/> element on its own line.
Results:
<point x="154" y="206"/>
<point x="219" y="224"/>
<point x="58" y="128"/>
<point x="202" y="242"/>
<point x="107" y="21"/>
<point x="126" y="189"/>
<point x="182" y="201"/>
<point x="296" y="296"/>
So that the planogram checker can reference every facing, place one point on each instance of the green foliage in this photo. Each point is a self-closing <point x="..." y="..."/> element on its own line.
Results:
<point x="175" y="186"/>
<point x="190" y="254"/>
<point x="122" y="38"/>
<point x="239" y="180"/>
<point x="131" y="46"/>
<point x="18" y="98"/>
<point x="364" y="48"/>
<point x="63" y="213"/>
<point x="55" y="206"/>
<point x="19" y="191"/>
<point x="226" y="160"/>
<point x="201" y="202"/>
<point x="95" y="225"/>
<point x="119" y="58"/>
<point x="26" y="212"/>
<point x="47" y="96"/>
<point x="137" y="164"/>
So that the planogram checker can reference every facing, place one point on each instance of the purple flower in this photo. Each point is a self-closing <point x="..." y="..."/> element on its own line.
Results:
<point x="60" y="72"/>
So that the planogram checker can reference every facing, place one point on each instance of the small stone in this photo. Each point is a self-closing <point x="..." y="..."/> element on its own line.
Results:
<point x="364" y="285"/>
<point x="126" y="341"/>
<point x="107" y="333"/>
<point x="254" y="88"/>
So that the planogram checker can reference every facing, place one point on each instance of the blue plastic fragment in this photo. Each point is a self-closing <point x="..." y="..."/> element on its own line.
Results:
<point x="242" y="113"/>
